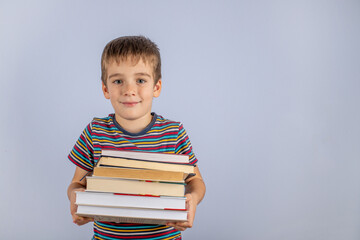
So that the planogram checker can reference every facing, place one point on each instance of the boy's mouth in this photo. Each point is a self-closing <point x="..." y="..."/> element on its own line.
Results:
<point x="130" y="104"/>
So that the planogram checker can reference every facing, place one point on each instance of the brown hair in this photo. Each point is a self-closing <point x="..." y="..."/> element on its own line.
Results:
<point x="134" y="47"/>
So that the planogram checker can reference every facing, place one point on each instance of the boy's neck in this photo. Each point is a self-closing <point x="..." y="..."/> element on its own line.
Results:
<point x="134" y="126"/>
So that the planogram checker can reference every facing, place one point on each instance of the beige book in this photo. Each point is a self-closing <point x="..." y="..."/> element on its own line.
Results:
<point x="144" y="174"/>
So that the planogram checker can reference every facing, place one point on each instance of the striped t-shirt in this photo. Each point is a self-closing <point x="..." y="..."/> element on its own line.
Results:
<point x="161" y="135"/>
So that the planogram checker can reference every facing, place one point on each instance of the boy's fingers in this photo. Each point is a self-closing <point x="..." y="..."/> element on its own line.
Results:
<point x="184" y="225"/>
<point x="77" y="218"/>
<point x="82" y="220"/>
<point x="181" y="226"/>
<point x="89" y="219"/>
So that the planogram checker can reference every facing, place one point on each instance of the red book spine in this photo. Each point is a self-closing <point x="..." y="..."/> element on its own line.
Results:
<point x="139" y="195"/>
<point x="174" y="209"/>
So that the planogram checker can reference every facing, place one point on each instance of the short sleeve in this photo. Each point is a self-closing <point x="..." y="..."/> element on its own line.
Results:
<point x="82" y="154"/>
<point x="183" y="145"/>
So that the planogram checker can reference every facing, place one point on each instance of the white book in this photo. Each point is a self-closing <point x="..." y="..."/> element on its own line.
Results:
<point x="132" y="215"/>
<point x="147" y="156"/>
<point x="128" y="200"/>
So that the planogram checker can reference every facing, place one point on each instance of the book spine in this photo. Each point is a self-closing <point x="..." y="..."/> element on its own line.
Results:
<point x="174" y="209"/>
<point x="137" y="195"/>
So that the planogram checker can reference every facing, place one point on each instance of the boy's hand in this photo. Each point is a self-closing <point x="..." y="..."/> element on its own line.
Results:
<point x="191" y="207"/>
<point x="73" y="208"/>
<point x="195" y="191"/>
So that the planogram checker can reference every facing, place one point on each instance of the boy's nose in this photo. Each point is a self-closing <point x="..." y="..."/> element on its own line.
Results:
<point x="129" y="89"/>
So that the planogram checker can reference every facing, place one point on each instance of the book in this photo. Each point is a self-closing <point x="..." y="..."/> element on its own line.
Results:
<point x="136" y="187"/>
<point x="134" y="173"/>
<point x="143" y="164"/>
<point x="148" y="156"/>
<point x="133" y="186"/>
<point x="130" y="200"/>
<point x="132" y="215"/>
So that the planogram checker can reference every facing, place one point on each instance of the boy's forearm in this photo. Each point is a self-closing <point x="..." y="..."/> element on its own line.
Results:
<point x="196" y="187"/>
<point x="72" y="186"/>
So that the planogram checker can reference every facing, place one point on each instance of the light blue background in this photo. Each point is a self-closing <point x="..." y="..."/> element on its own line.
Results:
<point x="268" y="91"/>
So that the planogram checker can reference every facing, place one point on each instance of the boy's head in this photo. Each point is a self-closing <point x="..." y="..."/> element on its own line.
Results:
<point x="131" y="48"/>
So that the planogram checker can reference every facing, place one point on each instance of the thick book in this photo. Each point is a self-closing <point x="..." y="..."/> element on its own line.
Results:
<point x="148" y="156"/>
<point x="131" y="215"/>
<point x="132" y="186"/>
<point x="143" y="164"/>
<point x="130" y="200"/>
<point x="134" y="173"/>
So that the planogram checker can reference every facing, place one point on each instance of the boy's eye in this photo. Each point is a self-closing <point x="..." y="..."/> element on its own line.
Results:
<point x="141" y="81"/>
<point x="118" y="81"/>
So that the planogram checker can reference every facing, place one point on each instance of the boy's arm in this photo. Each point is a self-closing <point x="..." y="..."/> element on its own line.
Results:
<point x="194" y="193"/>
<point x="78" y="183"/>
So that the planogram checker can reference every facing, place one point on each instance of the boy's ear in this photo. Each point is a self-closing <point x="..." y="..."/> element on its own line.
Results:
<point x="157" y="89"/>
<point x="105" y="91"/>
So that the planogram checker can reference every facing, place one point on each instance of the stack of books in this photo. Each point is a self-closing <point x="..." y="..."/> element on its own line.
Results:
<point x="136" y="187"/>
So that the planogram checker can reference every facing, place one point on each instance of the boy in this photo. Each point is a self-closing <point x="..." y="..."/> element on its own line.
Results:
<point x="131" y="78"/>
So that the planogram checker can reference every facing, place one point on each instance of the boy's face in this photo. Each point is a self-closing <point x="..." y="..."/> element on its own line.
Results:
<point x="131" y="89"/>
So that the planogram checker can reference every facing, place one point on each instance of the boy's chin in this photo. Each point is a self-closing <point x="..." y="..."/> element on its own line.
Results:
<point x="133" y="116"/>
